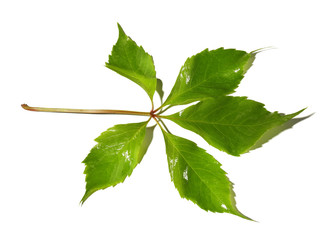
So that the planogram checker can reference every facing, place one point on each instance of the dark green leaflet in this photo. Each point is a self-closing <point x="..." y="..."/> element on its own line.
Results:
<point x="231" y="124"/>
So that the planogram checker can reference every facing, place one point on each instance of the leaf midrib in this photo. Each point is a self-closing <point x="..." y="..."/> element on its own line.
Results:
<point x="204" y="81"/>
<point x="214" y="123"/>
<point x="191" y="88"/>
<point x="130" y="140"/>
<point x="135" y="76"/>
<point x="196" y="172"/>
<point x="125" y="146"/>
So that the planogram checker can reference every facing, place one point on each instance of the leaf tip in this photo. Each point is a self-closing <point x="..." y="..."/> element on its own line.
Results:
<point x="86" y="195"/>
<point x="239" y="214"/>
<point x="120" y="29"/>
<point x="290" y="116"/>
<point x="263" y="49"/>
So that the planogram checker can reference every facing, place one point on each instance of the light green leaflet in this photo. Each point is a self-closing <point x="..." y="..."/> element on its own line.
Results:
<point x="234" y="125"/>
<point x="131" y="61"/>
<point x="209" y="74"/>
<point x="231" y="124"/>
<point x="117" y="153"/>
<point x="198" y="176"/>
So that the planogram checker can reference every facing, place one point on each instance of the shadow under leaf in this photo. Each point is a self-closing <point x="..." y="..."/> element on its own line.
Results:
<point x="276" y="131"/>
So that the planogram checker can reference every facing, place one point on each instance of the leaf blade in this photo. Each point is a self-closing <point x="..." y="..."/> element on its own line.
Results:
<point x="231" y="124"/>
<point x="132" y="62"/>
<point x="209" y="74"/>
<point x="198" y="176"/>
<point x="114" y="157"/>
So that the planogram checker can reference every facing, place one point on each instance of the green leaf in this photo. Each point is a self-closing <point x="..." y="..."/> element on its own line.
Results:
<point x="209" y="74"/>
<point x="198" y="176"/>
<point x="117" y="153"/>
<point x="231" y="124"/>
<point x="159" y="89"/>
<point x="146" y="142"/>
<point x="131" y="61"/>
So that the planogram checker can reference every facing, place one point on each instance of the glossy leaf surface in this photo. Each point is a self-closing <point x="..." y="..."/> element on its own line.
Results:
<point x="231" y="124"/>
<point x="209" y="74"/>
<point x="198" y="176"/>
<point x="131" y="61"/>
<point x="117" y="153"/>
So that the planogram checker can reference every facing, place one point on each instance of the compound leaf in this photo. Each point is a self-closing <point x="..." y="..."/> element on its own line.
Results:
<point x="198" y="176"/>
<point x="117" y="153"/>
<point x="231" y="124"/>
<point x="131" y="61"/>
<point x="210" y="74"/>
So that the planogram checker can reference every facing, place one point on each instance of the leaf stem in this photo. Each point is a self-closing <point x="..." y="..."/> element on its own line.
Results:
<point x="157" y="109"/>
<point x="164" y="110"/>
<point x="161" y="121"/>
<point x="158" y="123"/>
<point x="84" y="111"/>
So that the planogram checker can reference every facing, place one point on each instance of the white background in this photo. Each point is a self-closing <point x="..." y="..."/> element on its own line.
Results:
<point x="53" y="54"/>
